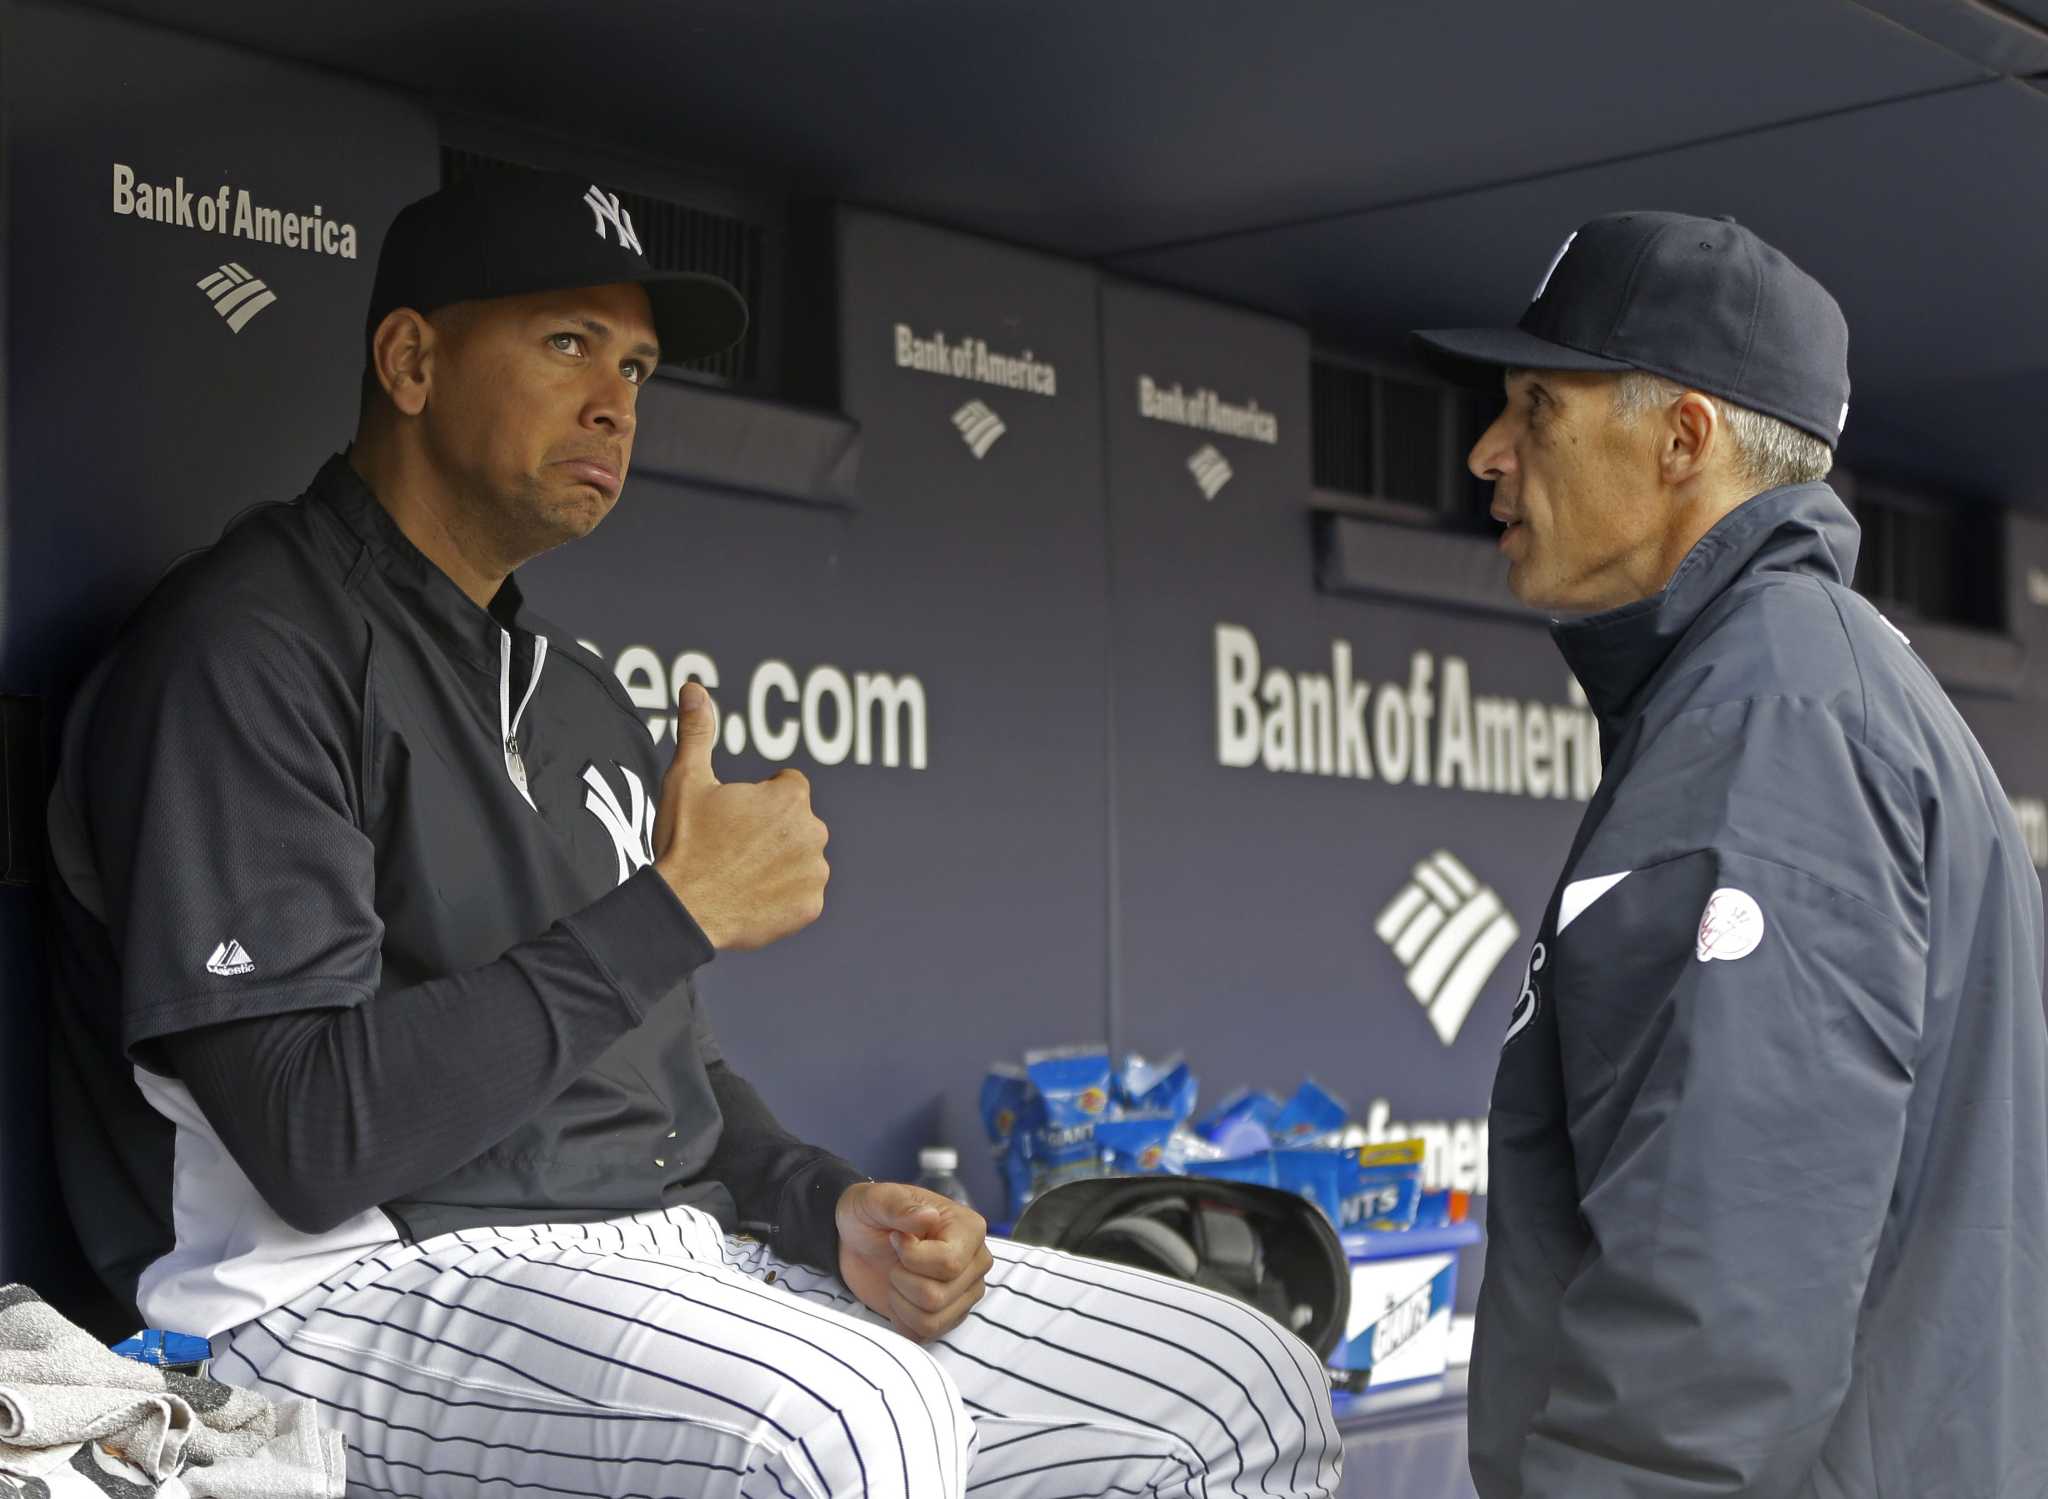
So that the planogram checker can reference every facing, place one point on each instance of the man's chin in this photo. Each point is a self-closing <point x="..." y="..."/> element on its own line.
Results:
<point x="1526" y="587"/>
<point x="1547" y="598"/>
<point x="579" y="511"/>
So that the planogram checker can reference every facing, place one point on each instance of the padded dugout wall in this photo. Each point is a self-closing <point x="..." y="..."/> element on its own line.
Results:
<point x="1297" y="771"/>
<point x="166" y="395"/>
<point x="165" y="401"/>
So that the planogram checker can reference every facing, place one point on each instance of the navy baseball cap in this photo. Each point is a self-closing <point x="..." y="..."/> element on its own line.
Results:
<point x="504" y="234"/>
<point x="1700" y="301"/>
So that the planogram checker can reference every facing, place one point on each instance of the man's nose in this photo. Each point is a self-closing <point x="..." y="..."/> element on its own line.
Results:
<point x="611" y="407"/>
<point x="1493" y="456"/>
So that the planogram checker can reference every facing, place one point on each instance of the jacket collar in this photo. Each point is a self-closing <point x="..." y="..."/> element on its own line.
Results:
<point x="464" y="629"/>
<point x="1803" y="528"/>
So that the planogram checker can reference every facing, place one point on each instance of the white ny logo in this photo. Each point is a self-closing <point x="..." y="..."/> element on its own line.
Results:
<point x="632" y="836"/>
<point x="604" y="208"/>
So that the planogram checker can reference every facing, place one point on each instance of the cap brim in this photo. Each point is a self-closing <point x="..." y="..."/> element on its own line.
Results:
<point x="1475" y="356"/>
<point x="695" y="315"/>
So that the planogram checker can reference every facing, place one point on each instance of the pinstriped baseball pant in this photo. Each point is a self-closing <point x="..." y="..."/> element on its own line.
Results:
<point x="653" y="1356"/>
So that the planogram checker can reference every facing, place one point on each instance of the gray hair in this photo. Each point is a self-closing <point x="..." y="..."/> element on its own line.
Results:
<point x="1768" y="452"/>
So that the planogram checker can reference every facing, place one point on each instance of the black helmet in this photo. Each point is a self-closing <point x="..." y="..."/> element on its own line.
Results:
<point x="1259" y="1244"/>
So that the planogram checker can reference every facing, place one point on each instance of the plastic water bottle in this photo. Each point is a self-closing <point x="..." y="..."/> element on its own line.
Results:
<point x="938" y="1170"/>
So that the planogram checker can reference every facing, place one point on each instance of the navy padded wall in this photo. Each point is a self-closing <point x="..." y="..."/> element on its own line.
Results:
<point x="157" y="180"/>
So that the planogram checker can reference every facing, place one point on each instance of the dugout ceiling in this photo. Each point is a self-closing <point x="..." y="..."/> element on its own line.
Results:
<point x="1357" y="169"/>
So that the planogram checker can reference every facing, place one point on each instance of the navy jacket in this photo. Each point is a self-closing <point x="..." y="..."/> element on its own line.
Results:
<point x="1769" y="1171"/>
<point x="386" y="851"/>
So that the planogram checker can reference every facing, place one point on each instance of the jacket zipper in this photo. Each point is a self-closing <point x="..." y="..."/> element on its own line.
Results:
<point x="508" y="718"/>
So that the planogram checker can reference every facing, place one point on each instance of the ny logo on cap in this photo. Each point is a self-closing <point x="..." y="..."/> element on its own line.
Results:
<point x="1550" y="270"/>
<point x="604" y="208"/>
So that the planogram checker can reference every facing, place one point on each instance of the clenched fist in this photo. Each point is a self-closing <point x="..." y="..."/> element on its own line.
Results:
<point x="917" y="1258"/>
<point x="746" y="860"/>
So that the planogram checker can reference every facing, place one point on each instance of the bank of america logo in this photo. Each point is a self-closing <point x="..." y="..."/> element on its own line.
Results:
<point x="237" y="295"/>
<point x="1211" y="470"/>
<point x="1450" y="933"/>
<point x="229" y="959"/>
<point x="979" y="427"/>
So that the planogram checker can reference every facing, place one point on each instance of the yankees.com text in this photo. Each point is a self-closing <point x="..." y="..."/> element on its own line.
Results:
<point x="834" y="716"/>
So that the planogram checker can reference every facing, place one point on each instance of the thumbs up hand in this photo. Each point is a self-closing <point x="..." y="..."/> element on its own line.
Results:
<point x="746" y="860"/>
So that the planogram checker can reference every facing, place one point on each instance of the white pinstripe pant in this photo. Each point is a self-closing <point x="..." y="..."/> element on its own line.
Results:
<point x="652" y="1356"/>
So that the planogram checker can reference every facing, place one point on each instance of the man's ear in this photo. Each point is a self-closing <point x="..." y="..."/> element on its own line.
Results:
<point x="1693" y="434"/>
<point x="402" y="356"/>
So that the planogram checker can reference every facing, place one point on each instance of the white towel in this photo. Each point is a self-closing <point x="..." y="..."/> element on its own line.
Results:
<point x="72" y="1408"/>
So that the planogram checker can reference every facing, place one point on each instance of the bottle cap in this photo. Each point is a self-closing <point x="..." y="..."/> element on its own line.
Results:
<point x="938" y="1158"/>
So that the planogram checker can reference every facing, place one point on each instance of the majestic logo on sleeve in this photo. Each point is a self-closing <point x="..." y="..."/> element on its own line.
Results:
<point x="1450" y="932"/>
<point x="1731" y="926"/>
<point x="230" y="959"/>
<point x="630" y="823"/>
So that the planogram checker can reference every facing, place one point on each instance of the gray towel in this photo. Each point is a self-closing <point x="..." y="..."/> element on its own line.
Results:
<point x="59" y="1387"/>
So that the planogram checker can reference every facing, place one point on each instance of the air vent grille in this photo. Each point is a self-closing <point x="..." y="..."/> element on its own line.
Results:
<point x="1385" y="438"/>
<point x="1939" y="558"/>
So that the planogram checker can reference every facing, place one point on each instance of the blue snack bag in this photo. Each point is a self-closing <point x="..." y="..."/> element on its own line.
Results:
<point x="1167" y="1087"/>
<point x="1189" y="1152"/>
<point x="1241" y="1135"/>
<point x="1384" y="1186"/>
<point x="1433" y="1209"/>
<point x="1319" y="1175"/>
<point x="1256" y="1168"/>
<point x="1014" y="1166"/>
<point x="1241" y="1104"/>
<point x="1137" y="1144"/>
<point x="1313" y="1111"/>
<point x="1004" y="1093"/>
<point x="1072" y="1084"/>
<point x="1137" y="1076"/>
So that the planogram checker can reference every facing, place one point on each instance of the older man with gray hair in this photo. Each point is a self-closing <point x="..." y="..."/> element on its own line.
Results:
<point x="1769" y="1209"/>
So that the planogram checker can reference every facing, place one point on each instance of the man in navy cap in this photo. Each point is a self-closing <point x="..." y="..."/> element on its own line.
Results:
<point x="1769" y="1136"/>
<point x="379" y="920"/>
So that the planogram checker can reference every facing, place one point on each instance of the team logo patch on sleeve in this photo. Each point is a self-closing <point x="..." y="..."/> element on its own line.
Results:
<point x="630" y="822"/>
<point x="1529" y="999"/>
<point x="1731" y="926"/>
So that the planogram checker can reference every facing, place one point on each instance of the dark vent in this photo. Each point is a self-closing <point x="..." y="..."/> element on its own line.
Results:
<point x="1341" y="414"/>
<point x="1412" y="452"/>
<point x="1937" y="557"/>
<point x="677" y="237"/>
<point x="1385" y="438"/>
